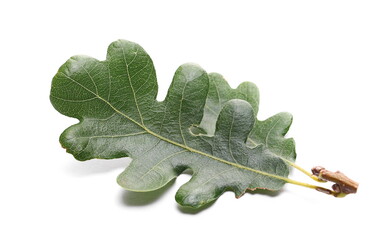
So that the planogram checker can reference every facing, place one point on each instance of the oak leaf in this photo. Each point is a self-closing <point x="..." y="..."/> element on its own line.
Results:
<point x="202" y="125"/>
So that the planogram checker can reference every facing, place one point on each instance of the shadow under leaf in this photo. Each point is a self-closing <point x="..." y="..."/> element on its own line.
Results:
<point x="95" y="166"/>
<point x="193" y="211"/>
<point x="130" y="198"/>
<point x="265" y="192"/>
<point x="189" y="210"/>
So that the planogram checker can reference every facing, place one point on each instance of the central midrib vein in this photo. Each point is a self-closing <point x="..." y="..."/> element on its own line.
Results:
<point x="200" y="152"/>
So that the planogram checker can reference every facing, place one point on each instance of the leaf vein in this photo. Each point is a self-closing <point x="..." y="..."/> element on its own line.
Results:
<point x="179" y="113"/>
<point x="92" y="79"/>
<point x="112" y="136"/>
<point x="161" y="161"/>
<point x="131" y="85"/>
<point x="75" y="101"/>
<point x="269" y="132"/>
<point x="229" y="140"/>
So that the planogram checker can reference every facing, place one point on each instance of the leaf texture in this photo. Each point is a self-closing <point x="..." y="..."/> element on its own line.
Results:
<point x="202" y="125"/>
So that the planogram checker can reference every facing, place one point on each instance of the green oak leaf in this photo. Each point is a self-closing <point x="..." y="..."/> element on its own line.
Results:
<point x="202" y="125"/>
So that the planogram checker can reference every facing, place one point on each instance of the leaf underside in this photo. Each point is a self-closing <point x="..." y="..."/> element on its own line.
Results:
<point x="202" y="125"/>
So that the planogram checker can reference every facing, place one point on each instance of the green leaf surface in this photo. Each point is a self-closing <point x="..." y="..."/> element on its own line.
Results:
<point x="219" y="94"/>
<point x="202" y="125"/>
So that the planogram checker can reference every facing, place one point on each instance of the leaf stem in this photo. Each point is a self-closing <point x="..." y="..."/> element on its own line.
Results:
<point x="302" y="170"/>
<point x="307" y="185"/>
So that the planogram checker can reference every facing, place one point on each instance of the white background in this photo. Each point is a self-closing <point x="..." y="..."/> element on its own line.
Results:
<point x="322" y="61"/>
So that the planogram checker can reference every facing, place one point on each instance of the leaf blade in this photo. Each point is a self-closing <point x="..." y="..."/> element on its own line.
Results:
<point x="115" y="101"/>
